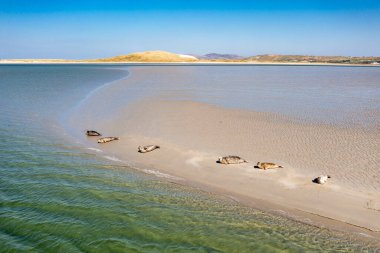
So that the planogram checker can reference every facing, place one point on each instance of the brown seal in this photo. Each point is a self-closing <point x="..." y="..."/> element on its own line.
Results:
<point x="266" y="165"/>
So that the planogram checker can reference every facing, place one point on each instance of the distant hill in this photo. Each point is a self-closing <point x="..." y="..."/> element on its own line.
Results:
<point x="162" y="56"/>
<point x="150" y="56"/>
<point x="313" y="59"/>
<point x="216" y="56"/>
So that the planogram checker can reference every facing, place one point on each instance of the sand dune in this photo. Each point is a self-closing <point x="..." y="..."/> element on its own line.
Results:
<point x="151" y="56"/>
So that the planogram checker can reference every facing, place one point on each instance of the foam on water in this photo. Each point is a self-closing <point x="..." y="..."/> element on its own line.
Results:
<point x="160" y="174"/>
<point x="95" y="149"/>
<point x="146" y="171"/>
<point x="113" y="158"/>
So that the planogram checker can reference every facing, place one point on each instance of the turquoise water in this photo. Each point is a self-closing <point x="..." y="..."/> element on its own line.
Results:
<point x="56" y="196"/>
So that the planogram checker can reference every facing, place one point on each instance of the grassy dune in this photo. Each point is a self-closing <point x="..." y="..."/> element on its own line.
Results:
<point x="313" y="59"/>
<point x="150" y="56"/>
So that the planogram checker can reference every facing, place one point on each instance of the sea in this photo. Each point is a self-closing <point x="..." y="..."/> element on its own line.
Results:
<point x="57" y="195"/>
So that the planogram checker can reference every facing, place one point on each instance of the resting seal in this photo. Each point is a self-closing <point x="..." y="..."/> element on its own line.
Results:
<point x="148" y="148"/>
<point x="107" y="139"/>
<point x="92" y="133"/>
<point x="321" y="179"/>
<point x="265" y="165"/>
<point x="231" y="159"/>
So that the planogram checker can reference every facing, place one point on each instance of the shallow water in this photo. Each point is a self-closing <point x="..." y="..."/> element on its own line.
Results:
<point x="325" y="94"/>
<point x="58" y="196"/>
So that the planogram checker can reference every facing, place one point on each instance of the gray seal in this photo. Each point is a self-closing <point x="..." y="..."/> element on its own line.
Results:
<point x="107" y="139"/>
<point x="322" y="179"/>
<point x="148" y="148"/>
<point x="231" y="159"/>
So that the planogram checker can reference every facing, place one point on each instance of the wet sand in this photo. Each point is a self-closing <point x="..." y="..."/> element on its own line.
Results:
<point x="193" y="135"/>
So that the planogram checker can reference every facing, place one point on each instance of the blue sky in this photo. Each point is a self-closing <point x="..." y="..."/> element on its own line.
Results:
<point x="92" y="29"/>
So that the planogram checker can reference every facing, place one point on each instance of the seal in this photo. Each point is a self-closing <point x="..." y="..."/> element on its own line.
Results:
<point x="148" y="148"/>
<point x="231" y="159"/>
<point x="322" y="179"/>
<point x="265" y="165"/>
<point x="92" y="133"/>
<point x="107" y="139"/>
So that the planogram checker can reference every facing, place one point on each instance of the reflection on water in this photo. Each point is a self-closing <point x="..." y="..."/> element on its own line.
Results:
<point x="344" y="95"/>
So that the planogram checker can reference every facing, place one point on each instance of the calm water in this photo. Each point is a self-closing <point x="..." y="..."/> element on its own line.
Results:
<point x="324" y="94"/>
<point x="56" y="196"/>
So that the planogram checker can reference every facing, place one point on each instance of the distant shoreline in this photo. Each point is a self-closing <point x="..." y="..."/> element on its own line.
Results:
<point x="37" y="62"/>
<point x="163" y="57"/>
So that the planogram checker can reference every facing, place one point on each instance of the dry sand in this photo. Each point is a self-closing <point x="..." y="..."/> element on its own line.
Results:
<point x="192" y="135"/>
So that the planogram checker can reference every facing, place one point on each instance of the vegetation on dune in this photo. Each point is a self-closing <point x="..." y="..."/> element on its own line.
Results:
<point x="162" y="56"/>
<point x="150" y="56"/>
<point x="313" y="59"/>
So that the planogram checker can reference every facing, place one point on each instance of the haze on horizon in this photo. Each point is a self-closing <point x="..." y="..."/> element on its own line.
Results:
<point x="95" y="29"/>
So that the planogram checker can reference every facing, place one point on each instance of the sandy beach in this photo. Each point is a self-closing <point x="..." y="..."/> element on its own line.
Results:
<point x="192" y="135"/>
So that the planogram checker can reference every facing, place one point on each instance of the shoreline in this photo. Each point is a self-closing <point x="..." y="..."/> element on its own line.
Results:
<point x="196" y="167"/>
<point x="16" y="62"/>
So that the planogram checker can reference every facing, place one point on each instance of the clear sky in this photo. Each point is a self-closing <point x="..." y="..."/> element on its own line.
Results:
<point x="80" y="29"/>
